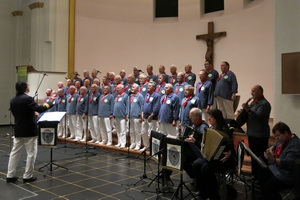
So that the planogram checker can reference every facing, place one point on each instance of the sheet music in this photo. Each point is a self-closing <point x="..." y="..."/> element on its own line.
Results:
<point x="52" y="116"/>
<point x="257" y="159"/>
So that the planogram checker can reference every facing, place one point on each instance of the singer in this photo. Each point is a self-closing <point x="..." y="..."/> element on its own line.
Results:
<point x="258" y="129"/>
<point x="23" y="109"/>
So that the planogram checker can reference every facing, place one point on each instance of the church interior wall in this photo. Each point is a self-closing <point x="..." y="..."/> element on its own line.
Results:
<point x="113" y="34"/>
<point x="287" y="31"/>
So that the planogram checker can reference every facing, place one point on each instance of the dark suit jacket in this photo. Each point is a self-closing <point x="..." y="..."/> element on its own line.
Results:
<point x="23" y="109"/>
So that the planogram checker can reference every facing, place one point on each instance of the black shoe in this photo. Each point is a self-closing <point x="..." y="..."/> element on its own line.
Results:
<point x="12" y="180"/>
<point x="29" y="180"/>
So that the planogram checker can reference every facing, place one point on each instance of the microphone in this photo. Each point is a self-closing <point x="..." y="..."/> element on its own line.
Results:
<point x="141" y="71"/>
<point x="97" y="71"/>
<point x="46" y="75"/>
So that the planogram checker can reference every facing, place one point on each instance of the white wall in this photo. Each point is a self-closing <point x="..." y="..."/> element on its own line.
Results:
<point x="287" y="31"/>
<point x="114" y="34"/>
<point x="7" y="57"/>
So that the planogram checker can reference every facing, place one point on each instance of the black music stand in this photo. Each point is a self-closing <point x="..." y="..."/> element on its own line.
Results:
<point x="48" y="135"/>
<point x="172" y="160"/>
<point x="156" y="143"/>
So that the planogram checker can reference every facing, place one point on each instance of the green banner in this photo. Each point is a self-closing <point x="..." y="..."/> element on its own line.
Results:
<point x="22" y="73"/>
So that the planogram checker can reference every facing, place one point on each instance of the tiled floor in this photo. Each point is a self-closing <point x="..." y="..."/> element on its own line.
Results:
<point x="104" y="175"/>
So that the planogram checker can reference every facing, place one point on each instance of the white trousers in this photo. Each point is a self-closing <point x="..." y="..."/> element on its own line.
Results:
<point x="93" y="126"/>
<point x="226" y="106"/>
<point x="72" y="119"/>
<point x="135" y="132"/>
<point x="105" y="130"/>
<point x="147" y="127"/>
<point x="61" y="128"/>
<point x="30" y="144"/>
<point x="168" y="130"/>
<point x="121" y="130"/>
<point x="81" y="127"/>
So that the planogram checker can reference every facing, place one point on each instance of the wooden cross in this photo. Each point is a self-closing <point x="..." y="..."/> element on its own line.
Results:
<point x="209" y="38"/>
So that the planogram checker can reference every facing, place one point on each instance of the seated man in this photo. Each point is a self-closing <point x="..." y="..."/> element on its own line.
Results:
<point x="279" y="175"/>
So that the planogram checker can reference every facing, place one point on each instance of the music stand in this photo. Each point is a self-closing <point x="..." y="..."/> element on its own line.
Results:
<point x="172" y="160"/>
<point x="233" y="123"/>
<point x="48" y="135"/>
<point x="156" y="143"/>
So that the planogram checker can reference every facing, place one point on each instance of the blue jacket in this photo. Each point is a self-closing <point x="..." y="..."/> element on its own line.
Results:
<point x="153" y="78"/>
<point x="93" y="103"/>
<point x="190" y="79"/>
<point x="169" y="108"/>
<point x="226" y="85"/>
<point x="290" y="152"/>
<point x="82" y="104"/>
<point x="120" y="107"/>
<point x="135" y="105"/>
<point x="72" y="103"/>
<point x="151" y="105"/>
<point x="144" y="89"/>
<point x="106" y="105"/>
<point x="61" y="104"/>
<point x="179" y="90"/>
<point x="258" y="119"/>
<point x="160" y="89"/>
<point x="185" y="110"/>
<point x="213" y="76"/>
<point x="205" y="94"/>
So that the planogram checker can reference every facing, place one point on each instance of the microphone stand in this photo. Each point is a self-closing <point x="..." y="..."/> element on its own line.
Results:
<point x="37" y="89"/>
<point x="144" y="176"/>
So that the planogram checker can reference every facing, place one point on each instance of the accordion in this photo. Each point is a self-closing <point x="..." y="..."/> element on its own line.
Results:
<point x="213" y="144"/>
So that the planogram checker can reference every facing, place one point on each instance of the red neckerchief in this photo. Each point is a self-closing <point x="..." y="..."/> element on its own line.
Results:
<point x="122" y="77"/>
<point x="142" y="86"/>
<point x="150" y="74"/>
<point x="119" y="95"/>
<point x="102" y="99"/>
<point x="164" y="100"/>
<point x="80" y="97"/>
<point x="148" y="96"/>
<point x="60" y="99"/>
<point x="186" y="101"/>
<point x="159" y="87"/>
<point x="71" y="95"/>
<point x="221" y="75"/>
<point x="92" y="96"/>
<point x="172" y="78"/>
<point x="257" y="99"/>
<point x="177" y="88"/>
<point x="132" y="97"/>
<point x="186" y="75"/>
<point x="201" y="84"/>
<point x="279" y="149"/>
<point x="195" y="125"/>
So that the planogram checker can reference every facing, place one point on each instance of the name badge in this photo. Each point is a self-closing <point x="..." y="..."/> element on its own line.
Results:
<point x="225" y="77"/>
<point x="193" y="101"/>
<point x="151" y="99"/>
<point x="72" y="99"/>
<point x="81" y="100"/>
<point x="190" y="78"/>
<point x="209" y="75"/>
<point x="95" y="98"/>
<point x="120" y="99"/>
<point x="135" y="100"/>
<point x="105" y="100"/>
<point x="63" y="101"/>
<point x="163" y="91"/>
<point x="144" y="89"/>
<point x="203" y="88"/>
<point x="168" y="101"/>
<point x="180" y="89"/>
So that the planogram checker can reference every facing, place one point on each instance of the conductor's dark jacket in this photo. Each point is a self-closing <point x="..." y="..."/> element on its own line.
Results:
<point x="23" y="109"/>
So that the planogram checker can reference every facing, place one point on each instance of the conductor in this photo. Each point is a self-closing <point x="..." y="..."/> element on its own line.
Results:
<point x="24" y="111"/>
